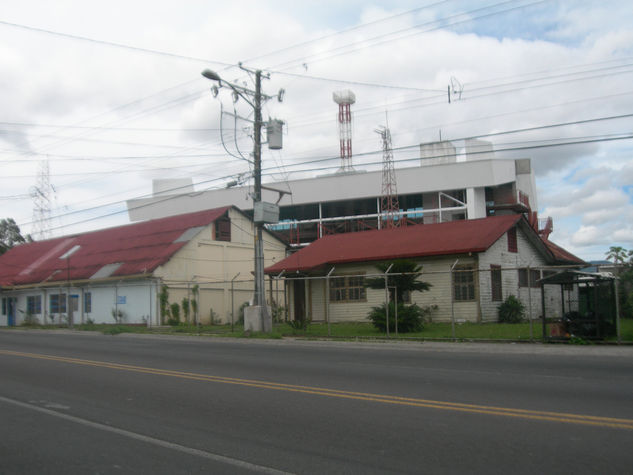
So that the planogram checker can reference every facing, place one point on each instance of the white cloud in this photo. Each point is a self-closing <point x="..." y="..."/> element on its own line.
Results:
<point x="536" y="71"/>
<point x="624" y="235"/>
<point x="589" y="235"/>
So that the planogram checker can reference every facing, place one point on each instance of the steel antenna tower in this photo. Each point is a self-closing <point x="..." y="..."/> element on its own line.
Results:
<point x="41" y="194"/>
<point x="345" y="99"/>
<point x="389" y="206"/>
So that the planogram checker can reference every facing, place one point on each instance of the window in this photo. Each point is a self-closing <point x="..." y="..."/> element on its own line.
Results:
<point x="58" y="303"/>
<point x="464" y="283"/>
<point x="34" y="304"/>
<point x="406" y="296"/>
<point x="496" y="285"/>
<point x="87" y="302"/>
<point x="347" y="289"/>
<point x="512" y="240"/>
<point x="4" y="305"/>
<point x="534" y="276"/>
<point x="223" y="229"/>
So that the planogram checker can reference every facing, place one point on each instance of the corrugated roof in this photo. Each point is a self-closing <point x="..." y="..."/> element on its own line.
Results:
<point x="139" y="248"/>
<point x="455" y="237"/>
<point x="561" y="255"/>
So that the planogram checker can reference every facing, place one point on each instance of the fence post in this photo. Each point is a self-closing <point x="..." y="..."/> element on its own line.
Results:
<point x="327" y="301"/>
<point x="452" y="284"/>
<point x="617" y="310"/>
<point x="529" y="273"/>
<point x="387" y="299"/>
<point x="233" y="300"/>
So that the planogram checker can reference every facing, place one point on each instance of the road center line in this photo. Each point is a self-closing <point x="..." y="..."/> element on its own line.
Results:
<point x="336" y="393"/>
<point x="144" y="438"/>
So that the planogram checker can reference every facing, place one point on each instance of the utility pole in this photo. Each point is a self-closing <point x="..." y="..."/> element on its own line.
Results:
<point x="257" y="198"/>
<point x="254" y="99"/>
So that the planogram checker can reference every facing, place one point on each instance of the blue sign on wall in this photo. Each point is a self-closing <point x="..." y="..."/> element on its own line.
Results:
<point x="121" y="299"/>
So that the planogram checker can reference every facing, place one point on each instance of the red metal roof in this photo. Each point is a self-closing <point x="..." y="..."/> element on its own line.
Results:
<point x="563" y="256"/>
<point x="455" y="237"/>
<point x="139" y="248"/>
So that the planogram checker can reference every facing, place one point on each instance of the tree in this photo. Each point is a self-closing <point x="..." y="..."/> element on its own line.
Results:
<point x="403" y="275"/>
<point x="617" y="254"/>
<point x="623" y="260"/>
<point x="10" y="235"/>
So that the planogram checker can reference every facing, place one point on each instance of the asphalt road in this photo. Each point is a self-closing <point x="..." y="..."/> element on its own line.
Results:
<point x="90" y="403"/>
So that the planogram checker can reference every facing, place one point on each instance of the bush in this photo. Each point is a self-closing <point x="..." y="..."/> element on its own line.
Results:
<point x="240" y="313"/>
<point x="30" y="320"/>
<point x="118" y="315"/>
<point x="185" y="308"/>
<point x="175" y="315"/>
<point x="410" y="317"/>
<point x="511" y="310"/>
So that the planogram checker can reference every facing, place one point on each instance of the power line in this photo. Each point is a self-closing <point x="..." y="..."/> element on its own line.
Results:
<point x="113" y="44"/>
<point x="509" y="148"/>
<point x="347" y="30"/>
<point x="363" y="44"/>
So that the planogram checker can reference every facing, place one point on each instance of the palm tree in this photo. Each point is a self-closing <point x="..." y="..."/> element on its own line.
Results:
<point x="403" y="276"/>
<point x="617" y="254"/>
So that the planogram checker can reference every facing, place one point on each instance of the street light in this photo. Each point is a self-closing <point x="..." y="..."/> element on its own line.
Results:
<point x="207" y="73"/>
<point x="256" y="104"/>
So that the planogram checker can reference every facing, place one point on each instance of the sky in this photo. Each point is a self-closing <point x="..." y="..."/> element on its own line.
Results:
<point x="108" y="95"/>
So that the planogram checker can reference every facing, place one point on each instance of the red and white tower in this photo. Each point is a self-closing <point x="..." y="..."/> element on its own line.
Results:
<point x="345" y="99"/>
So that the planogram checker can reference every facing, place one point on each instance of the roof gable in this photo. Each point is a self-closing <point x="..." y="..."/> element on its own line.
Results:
<point x="137" y="248"/>
<point x="455" y="237"/>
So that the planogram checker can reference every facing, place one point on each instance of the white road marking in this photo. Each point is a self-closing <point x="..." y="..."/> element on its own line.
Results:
<point x="144" y="438"/>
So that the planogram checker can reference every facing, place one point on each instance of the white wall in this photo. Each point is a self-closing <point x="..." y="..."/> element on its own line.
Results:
<point x="137" y="301"/>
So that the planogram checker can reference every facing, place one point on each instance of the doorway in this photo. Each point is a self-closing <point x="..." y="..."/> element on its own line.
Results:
<point x="12" y="303"/>
<point x="299" y="295"/>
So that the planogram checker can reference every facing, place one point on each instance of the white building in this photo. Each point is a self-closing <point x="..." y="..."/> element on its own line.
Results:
<point x="444" y="187"/>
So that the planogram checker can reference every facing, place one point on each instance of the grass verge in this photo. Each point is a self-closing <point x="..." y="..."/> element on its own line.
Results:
<point x="360" y="330"/>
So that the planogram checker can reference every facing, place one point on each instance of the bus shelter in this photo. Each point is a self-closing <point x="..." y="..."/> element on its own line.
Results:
<point x="593" y="311"/>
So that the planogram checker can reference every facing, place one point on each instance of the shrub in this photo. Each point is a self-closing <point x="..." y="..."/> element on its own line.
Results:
<point x="118" y="315"/>
<point x="163" y="297"/>
<point x="278" y="312"/>
<point x="185" y="308"/>
<point x="240" y="313"/>
<point x="298" y="325"/>
<point x="511" y="310"/>
<point x="410" y="317"/>
<point x="175" y="314"/>
<point x="30" y="320"/>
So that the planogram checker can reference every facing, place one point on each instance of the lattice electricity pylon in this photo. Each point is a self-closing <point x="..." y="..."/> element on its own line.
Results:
<point x="42" y="194"/>
<point x="345" y="99"/>
<point x="389" y="206"/>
